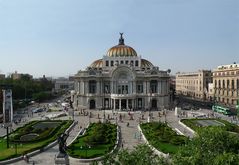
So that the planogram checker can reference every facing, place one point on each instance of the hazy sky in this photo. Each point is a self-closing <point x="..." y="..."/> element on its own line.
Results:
<point x="60" y="37"/>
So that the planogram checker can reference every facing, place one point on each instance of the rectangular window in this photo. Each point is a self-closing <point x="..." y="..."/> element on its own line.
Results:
<point x="106" y="63"/>
<point x="111" y="63"/>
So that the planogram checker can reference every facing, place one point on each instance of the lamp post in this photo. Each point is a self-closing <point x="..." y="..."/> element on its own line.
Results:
<point x="85" y="147"/>
<point x="15" y="148"/>
<point x="165" y="113"/>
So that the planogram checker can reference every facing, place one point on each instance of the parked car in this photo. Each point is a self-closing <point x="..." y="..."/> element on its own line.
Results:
<point x="37" y="110"/>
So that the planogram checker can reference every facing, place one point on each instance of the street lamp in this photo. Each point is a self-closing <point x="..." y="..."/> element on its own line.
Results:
<point x="85" y="148"/>
<point x="165" y="113"/>
<point x="15" y="148"/>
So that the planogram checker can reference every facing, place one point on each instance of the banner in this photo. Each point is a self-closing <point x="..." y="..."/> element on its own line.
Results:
<point x="7" y="107"/>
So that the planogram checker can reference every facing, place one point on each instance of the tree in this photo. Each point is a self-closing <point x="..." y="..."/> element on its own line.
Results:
<point x="212" y="145"/>
<point x="141" y="155"/>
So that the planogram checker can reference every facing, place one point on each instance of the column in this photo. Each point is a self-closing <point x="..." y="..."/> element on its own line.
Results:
<point x="148" y="87"/>
<point x="119" y="104"/>
<point x="144" y="87"/>
<point x="97" y="87"/>
<point x="159" y="87"/>
<point x="83" y="87"/>
<point x="127" y="104"/>
<point x="114" y="104"/>
<point x="112" y="87"/>
<point x="134" y="87"/>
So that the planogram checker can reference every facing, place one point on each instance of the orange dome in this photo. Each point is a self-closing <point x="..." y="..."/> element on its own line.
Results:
<point x="97" y="64"/>
<point x="146" y="63"/>
<point x="121" y="50"/>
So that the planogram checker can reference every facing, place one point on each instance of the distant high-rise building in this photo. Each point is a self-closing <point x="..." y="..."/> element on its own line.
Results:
<point x="226" y="84"/>
<point x="122" y="80"/>
<point x="193" y="84"/>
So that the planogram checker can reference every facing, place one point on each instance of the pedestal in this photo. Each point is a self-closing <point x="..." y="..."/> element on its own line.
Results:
<point x="62" y="159"/>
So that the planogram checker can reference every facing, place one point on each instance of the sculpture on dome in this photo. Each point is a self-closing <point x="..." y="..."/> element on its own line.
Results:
<point x="121" y="40"/>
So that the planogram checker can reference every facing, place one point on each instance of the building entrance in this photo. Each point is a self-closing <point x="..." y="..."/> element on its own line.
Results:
<point x="123" y="104"/>
<point x="154" y="104"/>
<point x="92" y="104"/>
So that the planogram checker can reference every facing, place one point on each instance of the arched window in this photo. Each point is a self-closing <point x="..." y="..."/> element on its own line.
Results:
<point x="228" y="83"/>
<point x="237" y="84"/>
<point x="233" y="84"/>
<point x="137" y="63"/>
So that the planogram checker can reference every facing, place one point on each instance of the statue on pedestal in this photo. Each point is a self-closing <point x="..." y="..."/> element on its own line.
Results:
<point x="62" y="143"/>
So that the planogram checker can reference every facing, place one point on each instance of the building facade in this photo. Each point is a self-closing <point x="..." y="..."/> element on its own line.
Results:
<point x="121" y="80"/>
<point x="226" y="84"/>
<point x="193" y="84"/>
<point x="63" y="84"/>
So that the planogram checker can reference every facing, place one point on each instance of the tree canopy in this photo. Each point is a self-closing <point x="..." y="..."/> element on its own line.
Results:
<point x="212" y="145"/>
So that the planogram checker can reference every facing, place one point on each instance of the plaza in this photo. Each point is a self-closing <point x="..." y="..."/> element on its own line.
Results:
<point x="127" y="121"/>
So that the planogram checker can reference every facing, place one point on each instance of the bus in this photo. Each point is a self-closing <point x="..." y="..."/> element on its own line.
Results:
<point x="220" y="109"/>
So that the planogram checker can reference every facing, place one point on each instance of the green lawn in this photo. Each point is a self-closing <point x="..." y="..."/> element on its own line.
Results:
<point x="98" y="140"/>
<point x="192" y="123"/>
<point x="162" y="137"/>
<point x="18" y="148"/>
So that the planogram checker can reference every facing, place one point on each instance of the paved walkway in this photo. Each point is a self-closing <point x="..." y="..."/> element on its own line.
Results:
<point x="130" y="134"/>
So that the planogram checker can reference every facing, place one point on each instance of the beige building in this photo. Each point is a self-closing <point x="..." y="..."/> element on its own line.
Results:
<point x="193" y="84"/>
<point x="210" y="94"/>
<point x="226" y="84"/>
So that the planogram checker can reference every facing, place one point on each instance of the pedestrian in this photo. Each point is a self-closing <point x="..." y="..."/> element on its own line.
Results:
<point x="122" y="145"/>
<point x="135" y="135"/>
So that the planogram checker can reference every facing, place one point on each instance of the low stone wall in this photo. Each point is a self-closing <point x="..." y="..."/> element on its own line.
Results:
<point x="159" y="153"/>
<point x="101" y="157"/>
<point x="179" y="132"/>
<point x="33" y="153"/>
<point x="186" y="127"/>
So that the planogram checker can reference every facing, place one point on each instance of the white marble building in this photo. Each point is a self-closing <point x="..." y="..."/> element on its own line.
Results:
<point x="121" y="80"/>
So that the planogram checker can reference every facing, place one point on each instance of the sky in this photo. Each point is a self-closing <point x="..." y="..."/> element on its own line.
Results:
<point x="59" y="37"/>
